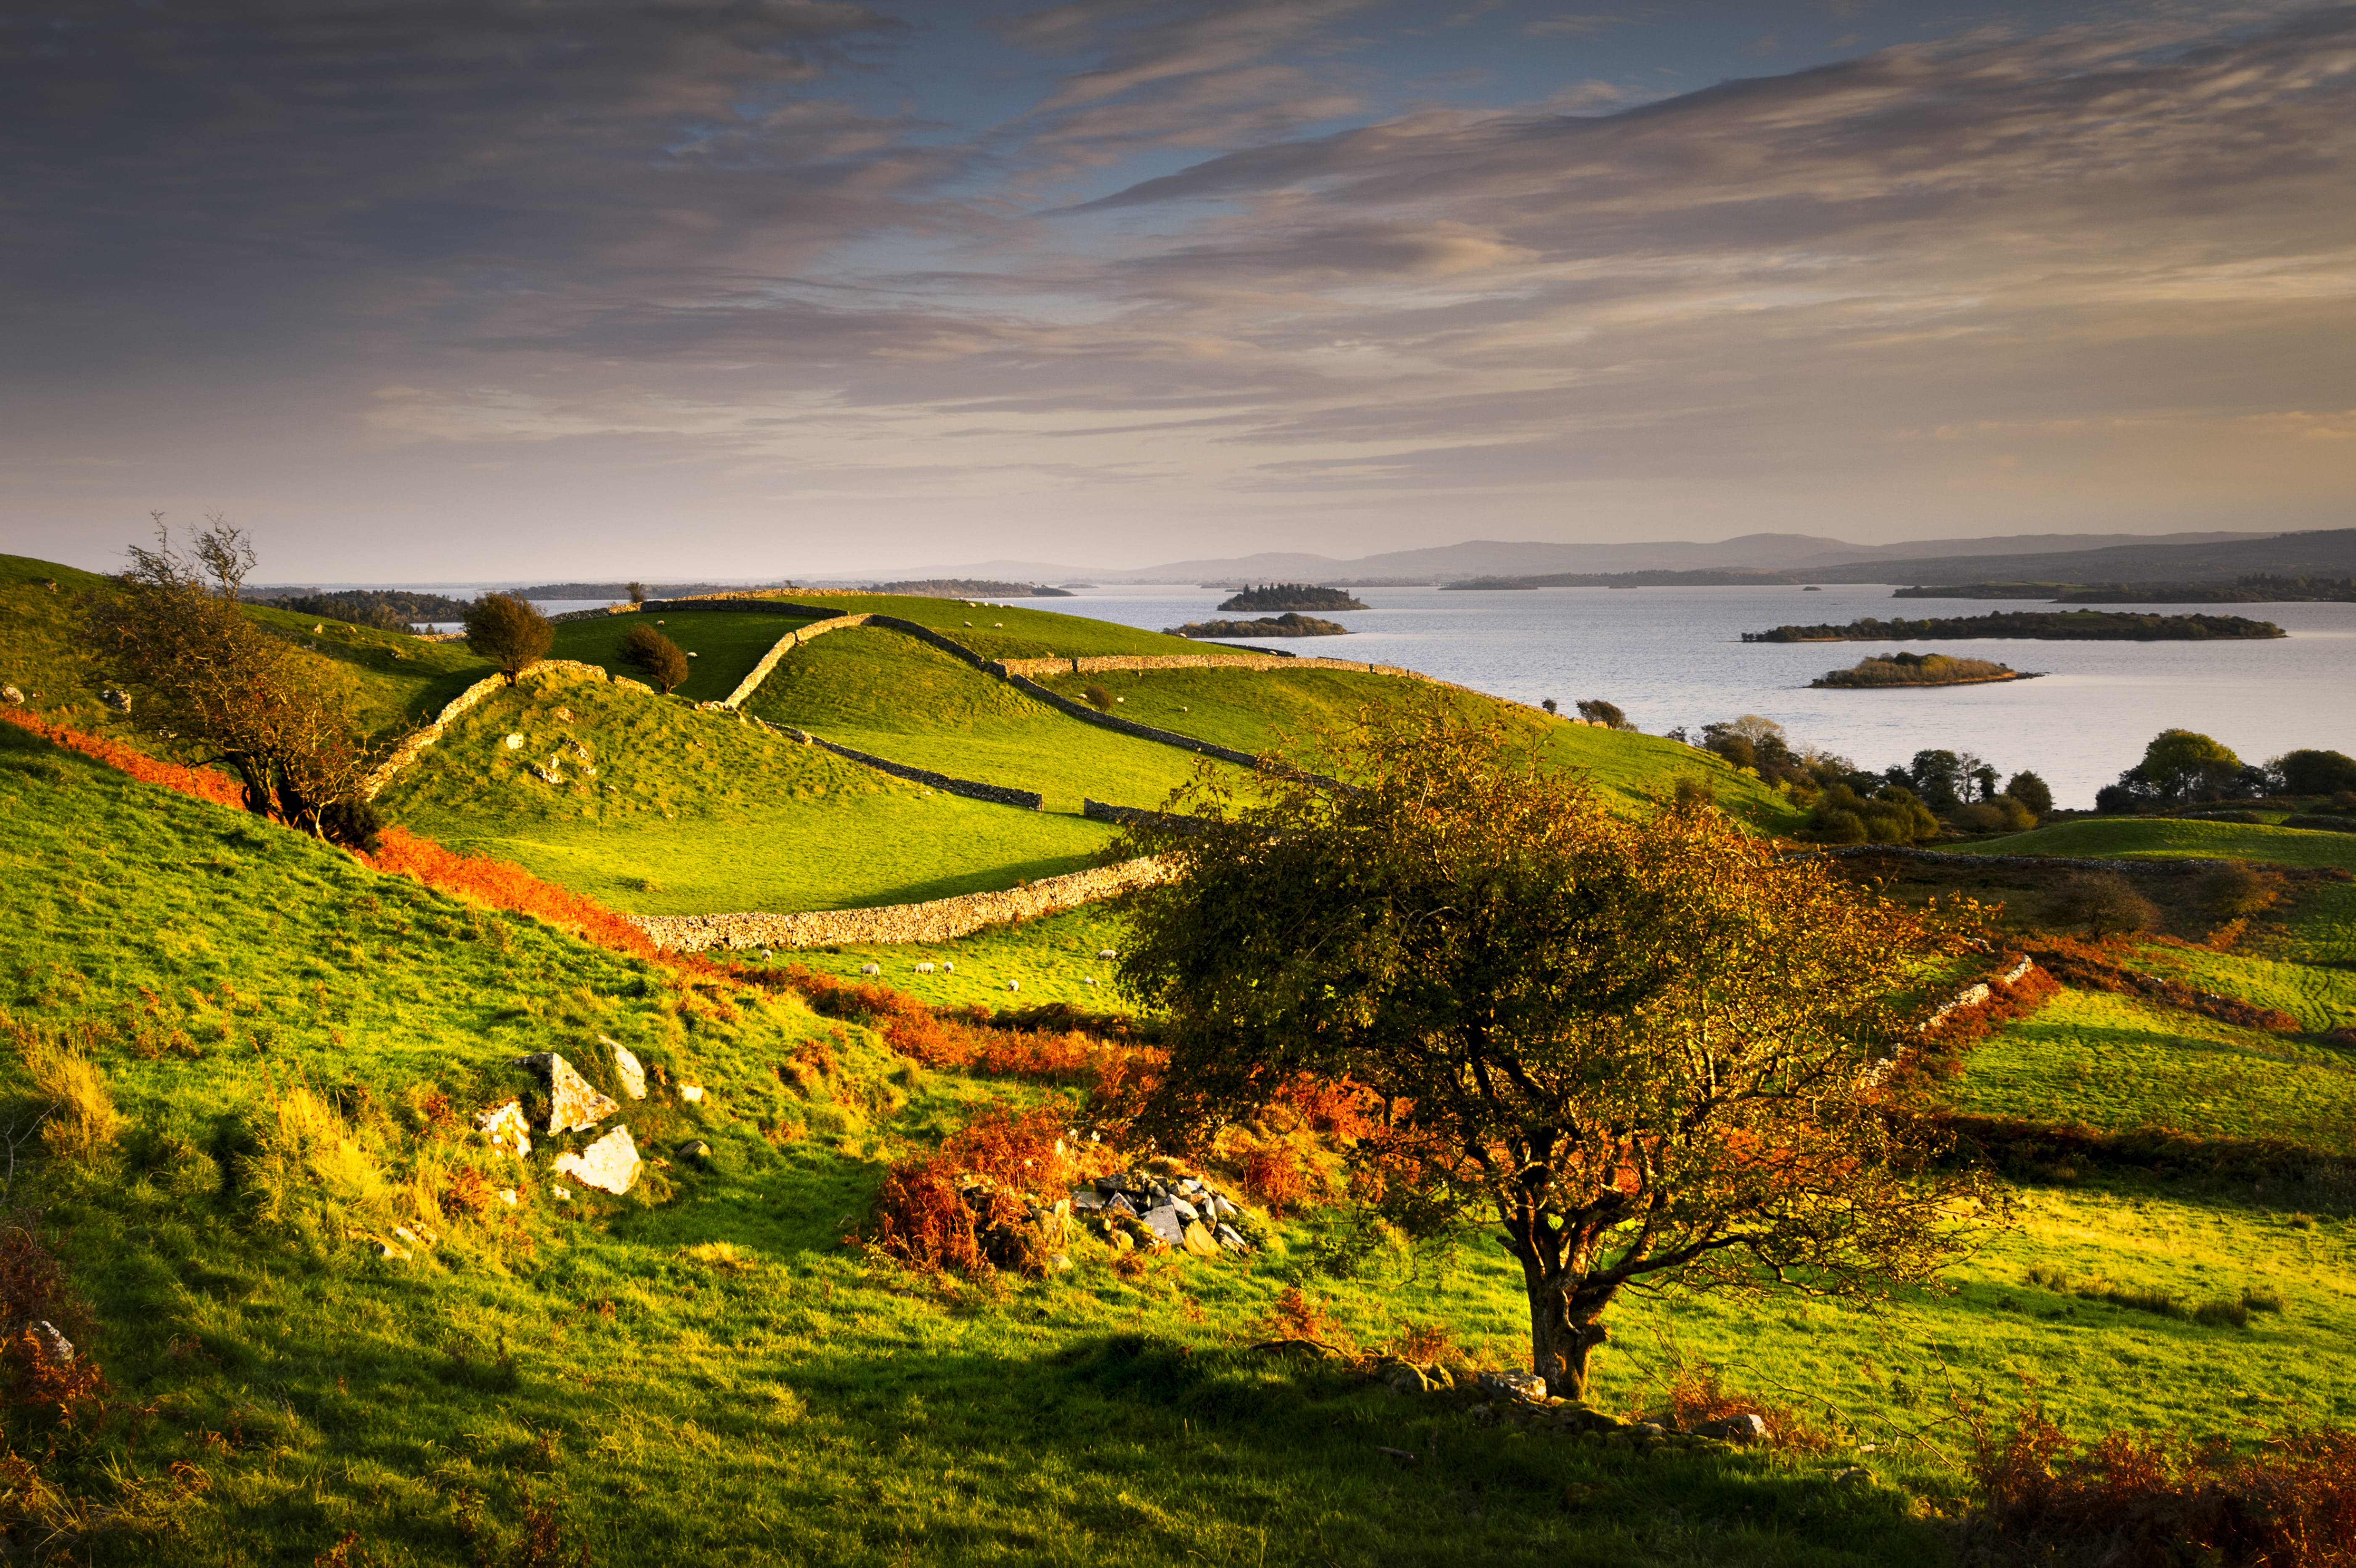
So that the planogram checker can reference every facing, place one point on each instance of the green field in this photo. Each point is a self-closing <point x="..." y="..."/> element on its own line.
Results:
<point x="2111" y="837"/>
<point x="701" y="1371"/>
<point x="885" y="692"/>
<point x="1005" y="631"/>
<point x="2118" y="1063"/>
<point x="696" y="813"/>
<point x="726" y="645"/>
<point x="1052" y="959"/>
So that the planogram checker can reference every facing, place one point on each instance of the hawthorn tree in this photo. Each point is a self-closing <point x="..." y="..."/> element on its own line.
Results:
<point x="221" y="689"/>
<point x="655" y="656"/>
<point x="509" y="630"/>
<point x="1651" y="1051"/>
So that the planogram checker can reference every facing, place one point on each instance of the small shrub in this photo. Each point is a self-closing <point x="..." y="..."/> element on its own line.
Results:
<point x="1272" y="1174"/>
<point x="1694" y="790"/>
<point x="2223" y="1314"/>
<point x="2101" y="904"/>
<point x="1097" y="697"/>
<point x="82" y="1119"/>
<point x="655" y="656"/>
<point x="1295" y="1315"/>
<point x="2234" y="891"/>
<point x="1698" y="1392"/>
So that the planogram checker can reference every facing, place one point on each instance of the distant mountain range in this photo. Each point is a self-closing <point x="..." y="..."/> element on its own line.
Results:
<point x="1828" y="560"/>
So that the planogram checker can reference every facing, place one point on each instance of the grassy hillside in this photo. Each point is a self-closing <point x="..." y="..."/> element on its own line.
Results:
<point x="885" y="692"/>
<point x="401" y="680"/>
<point x="1005" y="631"/>
<point x="1281" y="710"/>
<point x="2110" y="837"/>
<point x="726" y="645"/>
<point x="689" y="813"/>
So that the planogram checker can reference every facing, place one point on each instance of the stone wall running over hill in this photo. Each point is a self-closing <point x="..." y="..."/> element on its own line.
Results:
<point x="417" y="740"/>
<point x="996" y="794"/>
<point x="937" y="922"/>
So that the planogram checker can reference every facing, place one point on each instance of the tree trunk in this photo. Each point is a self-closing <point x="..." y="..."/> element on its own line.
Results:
<point x="1562" y="1342"/>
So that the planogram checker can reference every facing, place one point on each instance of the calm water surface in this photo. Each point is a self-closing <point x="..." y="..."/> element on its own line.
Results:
<point x="1674" y="656"/>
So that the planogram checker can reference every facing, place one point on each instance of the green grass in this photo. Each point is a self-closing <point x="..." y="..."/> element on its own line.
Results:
<point x="698" y="813"/>
<point x="2110" y="837"/>
<point x="726" y="644"/>
<point x="2117" y="1063"/>
<point x="888" y="693"/>
<point x="1260" y="711"/>
<point x="798" y="1402"/>
<point x="1051" y="958"/>
<point x="1009" y="631"/>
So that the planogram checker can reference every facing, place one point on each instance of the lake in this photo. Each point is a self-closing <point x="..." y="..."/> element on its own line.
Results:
<point x="1674" y="656"/>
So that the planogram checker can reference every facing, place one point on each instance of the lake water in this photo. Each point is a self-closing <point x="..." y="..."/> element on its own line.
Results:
<point x="1674" y="656"/>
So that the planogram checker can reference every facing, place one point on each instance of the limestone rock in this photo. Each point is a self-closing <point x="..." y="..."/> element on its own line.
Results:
<point x="1164" y="1221"/>
<point x="13" y="697"/>
<point x="627" y="1068"/>
<point x="609" y="1165"/>
<point x="694" y="1149"/>
<point x="572" y="1103"/>
<point x="119" y="701"/>
<point x="1199" y="1239"/>
<point x="1747" y="1427"/>
<point x="691" y="1092"/>
<point x="507" y="1131"/>
<point x="54" y="1345"/>
<point x="1527" y="1386"/>
<point x="515" y="743"/>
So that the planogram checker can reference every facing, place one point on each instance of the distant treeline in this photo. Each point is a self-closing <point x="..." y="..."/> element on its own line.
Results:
<point x="2257" y="588"/>
<point x="387" y="610"/>
<point x="610" y="591"/>
<point x="1292" y="597"/>
<point x="1704" y="577"/>
<point x="2077" y="626"/>
<point x="971" y="589"/>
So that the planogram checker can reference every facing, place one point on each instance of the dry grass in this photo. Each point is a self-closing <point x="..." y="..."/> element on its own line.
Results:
<point x="80" y="1122"/>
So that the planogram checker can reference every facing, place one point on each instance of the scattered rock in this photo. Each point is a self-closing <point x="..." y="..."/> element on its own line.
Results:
<point x="54" y="1345"/>
<point x="627" y="1068"/>
<point x="515" y="743"/>
<point x="573" y="1104"/>
<point x="119" y="701"/>
<point x="507" y="1131"/>
<point x="508" y="1196"/>
<point x="1746" y="1427"/>
<point x="691" y="1092"/>
<point x="561" y="1196"/>
<point x="1855" y="1475"/>
<point x="1164" y="1221"/>
<point x="1199" y="1239"/>
<point x="610" y="1165"/>
<point x="13" y="697"/>
<point x="565" y="715"/>
<point x="694" y="1149"/>
<point x="1528" y="1387"/>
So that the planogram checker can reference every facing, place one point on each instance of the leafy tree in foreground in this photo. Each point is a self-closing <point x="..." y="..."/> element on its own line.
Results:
<point x="1649" y="1051"/>
<point x="509" y="630"/>
<point x="655" y="656"/>
<point x="224" y="690"/>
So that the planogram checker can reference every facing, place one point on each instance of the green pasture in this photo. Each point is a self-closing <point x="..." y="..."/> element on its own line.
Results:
<point x="2119" y="1063"/>
<point x="1005" y="631"/>
<point x="885" y="692"/>
<point x="702" y="1372"/>
<point x="726" y="644"/>
<point x="2118" y="837"/>
<point x="691" y="812"/>
<point x="1051" y="959"/>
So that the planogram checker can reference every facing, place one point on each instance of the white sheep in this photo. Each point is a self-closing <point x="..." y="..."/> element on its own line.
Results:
<point x="948" y="968"/>
<point x="1106" y="952"/>
<point x="870" y="969"/>
<point x="924" y="969"/>
<point x="1013" y="985"/>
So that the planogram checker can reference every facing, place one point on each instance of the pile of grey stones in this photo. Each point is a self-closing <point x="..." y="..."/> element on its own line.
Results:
<point x="1164" y="1207"/>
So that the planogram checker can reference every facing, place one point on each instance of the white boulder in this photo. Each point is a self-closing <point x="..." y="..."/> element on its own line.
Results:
<point x="609" y="1165"/>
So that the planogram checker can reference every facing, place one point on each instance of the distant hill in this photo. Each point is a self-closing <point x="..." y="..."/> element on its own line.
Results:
<point x="971" y="589"/>
<point x="2330" y="552"/>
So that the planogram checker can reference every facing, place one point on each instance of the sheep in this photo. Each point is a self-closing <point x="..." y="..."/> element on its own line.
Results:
<point x="924" y="969"/>
<point x="870" y="969"/>
<point x="1013" y="985"/>
<point x="1106" y="952"/>
<point x="948" y="968"/>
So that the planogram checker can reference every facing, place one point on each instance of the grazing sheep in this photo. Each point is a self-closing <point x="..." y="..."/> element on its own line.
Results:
<point x="948" y="968"/>
<point x="1013" y="985"/>
<point x="924" y="969"/>
<point x="1106" y="952"/>
<point x="870" y="969"/>
<point x="1088" y="980"/>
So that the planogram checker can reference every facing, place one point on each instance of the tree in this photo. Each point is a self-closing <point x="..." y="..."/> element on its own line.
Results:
<point x="1604" y="712"/>
<point x="1650" y="1051"/>
<point x="507" y="630"/>
<point x="2312" y="772"/>
<point x="2180" y="762"/>
<point x="221" y="689"/>
<point x="1938" y="779"/>
<point x="1549" y="705"/>
<point x="637" y="592"/>
<point x="2102" y="903"/>
<point x="2032" y="792"/>
<point x="655" y="656"/>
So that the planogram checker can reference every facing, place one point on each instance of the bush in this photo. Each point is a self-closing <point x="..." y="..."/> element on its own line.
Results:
<point x="2032" y="792"/>
<point x="82" y="1121"/>
<point x="2101" y="904"/>
<point x="1600" y="712"/>
<point x="1892" y="815"/>
<point x="1098" y="698"/>
<point x="655" y="656"/>
<point x="2234" y="891"/>
<point x="2000" y="814"/>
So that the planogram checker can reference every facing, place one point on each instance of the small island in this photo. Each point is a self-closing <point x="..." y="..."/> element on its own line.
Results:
<point x="2079" y="626"/>
<point x="1288" y="625"/>
<point x="1290" y="597"/>
<point x="1879" y="670"/>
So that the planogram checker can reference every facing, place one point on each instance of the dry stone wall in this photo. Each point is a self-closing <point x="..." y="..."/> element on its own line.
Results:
<point x="937" y="922"/>
<point x="417" y="741"/>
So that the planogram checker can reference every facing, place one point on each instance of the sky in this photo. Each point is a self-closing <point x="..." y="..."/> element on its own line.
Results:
<point x="518" y="289"/>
